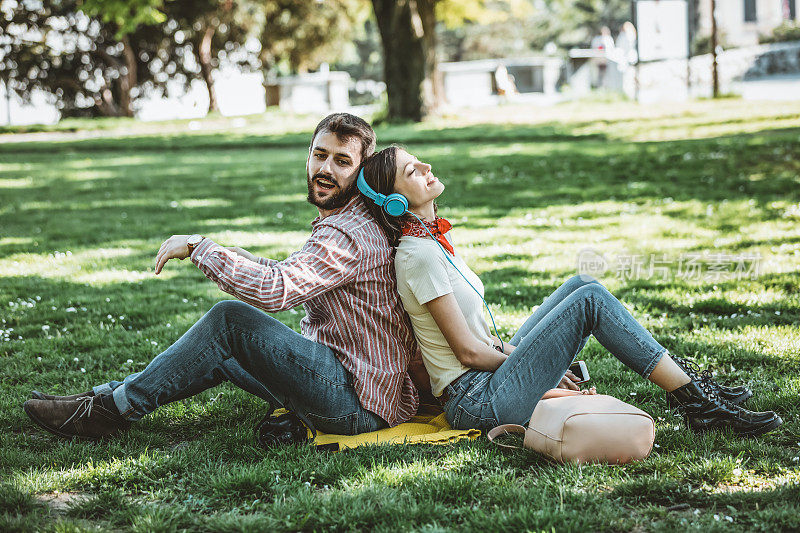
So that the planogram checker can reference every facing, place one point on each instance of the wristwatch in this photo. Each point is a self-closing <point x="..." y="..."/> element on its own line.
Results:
<point x="193" y="241"/>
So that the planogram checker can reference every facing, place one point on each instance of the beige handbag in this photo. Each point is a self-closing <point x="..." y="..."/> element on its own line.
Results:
<point x="577" y="427"/>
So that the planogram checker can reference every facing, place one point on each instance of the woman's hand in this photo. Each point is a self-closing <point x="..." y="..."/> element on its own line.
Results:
<point x="244" y="253"/>
<point x="568" y="381"/>
<point x="502" y="346"/>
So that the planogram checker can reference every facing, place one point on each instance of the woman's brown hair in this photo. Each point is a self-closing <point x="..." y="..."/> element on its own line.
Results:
<point x="379" y="173"/>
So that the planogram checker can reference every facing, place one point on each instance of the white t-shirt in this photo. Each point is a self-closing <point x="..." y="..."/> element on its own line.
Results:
<point x="423" y="274"/>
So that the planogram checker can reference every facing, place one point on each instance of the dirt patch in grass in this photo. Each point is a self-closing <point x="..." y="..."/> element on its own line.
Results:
<point x="59" y="502"/>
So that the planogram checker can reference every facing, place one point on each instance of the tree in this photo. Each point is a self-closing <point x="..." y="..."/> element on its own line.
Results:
<point x="213" y="30"/>
<point x="408" y="37"/>
<point x="97" y="57"/>
<point x="566" y="23"/>
<point x="298" y="33"/>
<point x="305" y="33"/>
<point x="576" y="22"/>
<point x="53" y="46"/>
<point x="125" y="17"/>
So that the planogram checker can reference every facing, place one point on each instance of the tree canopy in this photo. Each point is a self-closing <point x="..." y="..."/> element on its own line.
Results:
<point x="98" y="57"/>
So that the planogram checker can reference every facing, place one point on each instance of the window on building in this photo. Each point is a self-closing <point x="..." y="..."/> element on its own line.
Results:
<point x="792" y="9"/>
<point x="750" y="11"/>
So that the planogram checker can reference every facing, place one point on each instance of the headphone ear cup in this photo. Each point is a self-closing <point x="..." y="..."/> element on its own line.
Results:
<point x="396" y="204"/>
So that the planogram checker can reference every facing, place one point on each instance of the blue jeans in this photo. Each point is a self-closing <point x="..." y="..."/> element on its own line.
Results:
<point x="238" y="343"/>
<point x="546" y="345"/>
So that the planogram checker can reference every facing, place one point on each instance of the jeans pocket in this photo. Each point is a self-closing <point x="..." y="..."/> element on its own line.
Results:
<point x="476" y="387"/>
<point x="343" y="425"/>
<point x="474" y="416"/>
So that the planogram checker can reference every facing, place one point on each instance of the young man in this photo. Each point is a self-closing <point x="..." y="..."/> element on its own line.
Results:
<point x="346" y="373"/>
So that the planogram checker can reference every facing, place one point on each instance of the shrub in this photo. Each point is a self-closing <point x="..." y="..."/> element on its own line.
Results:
<point x="788" y="31"/>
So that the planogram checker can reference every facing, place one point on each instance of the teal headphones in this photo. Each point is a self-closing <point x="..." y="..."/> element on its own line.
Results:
<point x="395" y="204"/>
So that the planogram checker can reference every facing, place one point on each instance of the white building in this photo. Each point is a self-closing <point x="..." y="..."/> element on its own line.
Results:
<point x="489" y="81"/>
<point x="743" y="21"/>
<point x="317" y="92"/>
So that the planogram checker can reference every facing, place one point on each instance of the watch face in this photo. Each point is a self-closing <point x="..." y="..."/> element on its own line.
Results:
<point x="194" y="240"/>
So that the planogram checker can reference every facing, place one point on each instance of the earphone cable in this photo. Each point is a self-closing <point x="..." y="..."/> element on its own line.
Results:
<point x="446" y="256"/>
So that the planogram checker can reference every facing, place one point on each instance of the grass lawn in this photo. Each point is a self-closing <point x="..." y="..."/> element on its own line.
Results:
<point x="695" y="208"/>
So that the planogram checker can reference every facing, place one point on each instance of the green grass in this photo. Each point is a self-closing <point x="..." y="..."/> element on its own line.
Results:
<point x="81" y="220"/>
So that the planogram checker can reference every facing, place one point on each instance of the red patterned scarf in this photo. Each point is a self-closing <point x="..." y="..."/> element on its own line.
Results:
<point x="438" y="228"/>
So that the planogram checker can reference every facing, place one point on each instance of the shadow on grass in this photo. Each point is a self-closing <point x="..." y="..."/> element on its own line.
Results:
<point x="493" y="133"/>
<point x="155" y="193"/>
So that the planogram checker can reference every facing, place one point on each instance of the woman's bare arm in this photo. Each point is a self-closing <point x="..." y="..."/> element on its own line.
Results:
<point x="467" y="349"/>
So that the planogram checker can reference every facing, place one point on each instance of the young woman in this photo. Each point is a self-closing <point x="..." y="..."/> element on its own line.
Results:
<point x="483" y="382"/>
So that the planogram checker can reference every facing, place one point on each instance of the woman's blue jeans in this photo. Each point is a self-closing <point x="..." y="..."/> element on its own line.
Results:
<point x="546" y="345"/>
<point x="238" y="343"/>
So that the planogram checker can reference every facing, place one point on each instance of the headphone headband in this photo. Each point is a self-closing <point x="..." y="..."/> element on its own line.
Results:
<point x="368" y="191"/>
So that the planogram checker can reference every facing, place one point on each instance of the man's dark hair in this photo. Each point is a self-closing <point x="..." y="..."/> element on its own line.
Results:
<point x="346" y="126"/>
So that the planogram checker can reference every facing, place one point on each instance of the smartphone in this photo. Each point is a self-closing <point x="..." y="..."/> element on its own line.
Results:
<point x="579" y="369"/>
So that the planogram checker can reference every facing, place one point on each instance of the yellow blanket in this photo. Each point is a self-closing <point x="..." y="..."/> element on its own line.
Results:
<point x="427" y="426"/>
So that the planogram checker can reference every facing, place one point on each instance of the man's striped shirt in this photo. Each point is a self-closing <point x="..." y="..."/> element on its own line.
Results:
<point x="344" y="278"/>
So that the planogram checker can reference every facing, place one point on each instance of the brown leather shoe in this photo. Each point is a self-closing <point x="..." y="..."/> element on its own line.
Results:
<point x="84" y="417"/>
<point x="36" y="395"/>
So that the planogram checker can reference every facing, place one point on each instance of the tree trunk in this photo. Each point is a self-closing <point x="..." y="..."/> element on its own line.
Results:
<point x="105" y="103"/>
<point x="714" y="73"/>
<point x="406" y="28"/>
<point x="113" y="98"/>
<point x="128" y="80"/>
<point x="204" y="58"/>
<point x="434" y="84"/>
<point x="7" y="88"/>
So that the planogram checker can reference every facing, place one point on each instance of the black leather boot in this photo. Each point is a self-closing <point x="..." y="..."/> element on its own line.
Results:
<point x="703" y="409"/>
<point x="736" y="395"/>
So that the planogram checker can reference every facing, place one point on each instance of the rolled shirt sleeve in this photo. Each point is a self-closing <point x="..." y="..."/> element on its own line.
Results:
<point x="329" y="259"/>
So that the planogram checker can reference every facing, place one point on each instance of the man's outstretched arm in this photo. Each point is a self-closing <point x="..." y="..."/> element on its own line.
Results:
<point x="176" y="247"/>
<point x="330" y="258"/>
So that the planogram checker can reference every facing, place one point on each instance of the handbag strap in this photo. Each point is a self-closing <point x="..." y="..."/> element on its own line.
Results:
<point x="560" y="393"/>
<point x="506" y="429"/>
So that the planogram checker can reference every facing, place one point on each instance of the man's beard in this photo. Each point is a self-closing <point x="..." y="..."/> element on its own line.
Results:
<point x="335" y="200"/>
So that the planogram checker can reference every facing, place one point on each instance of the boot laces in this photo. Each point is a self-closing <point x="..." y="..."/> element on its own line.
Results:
<point x="708" y="386"/>
<point x="708" y="376"/>
<point x="692" y="369"/>
<point x="84" y="410"/>
<point x="705" y="380"/>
